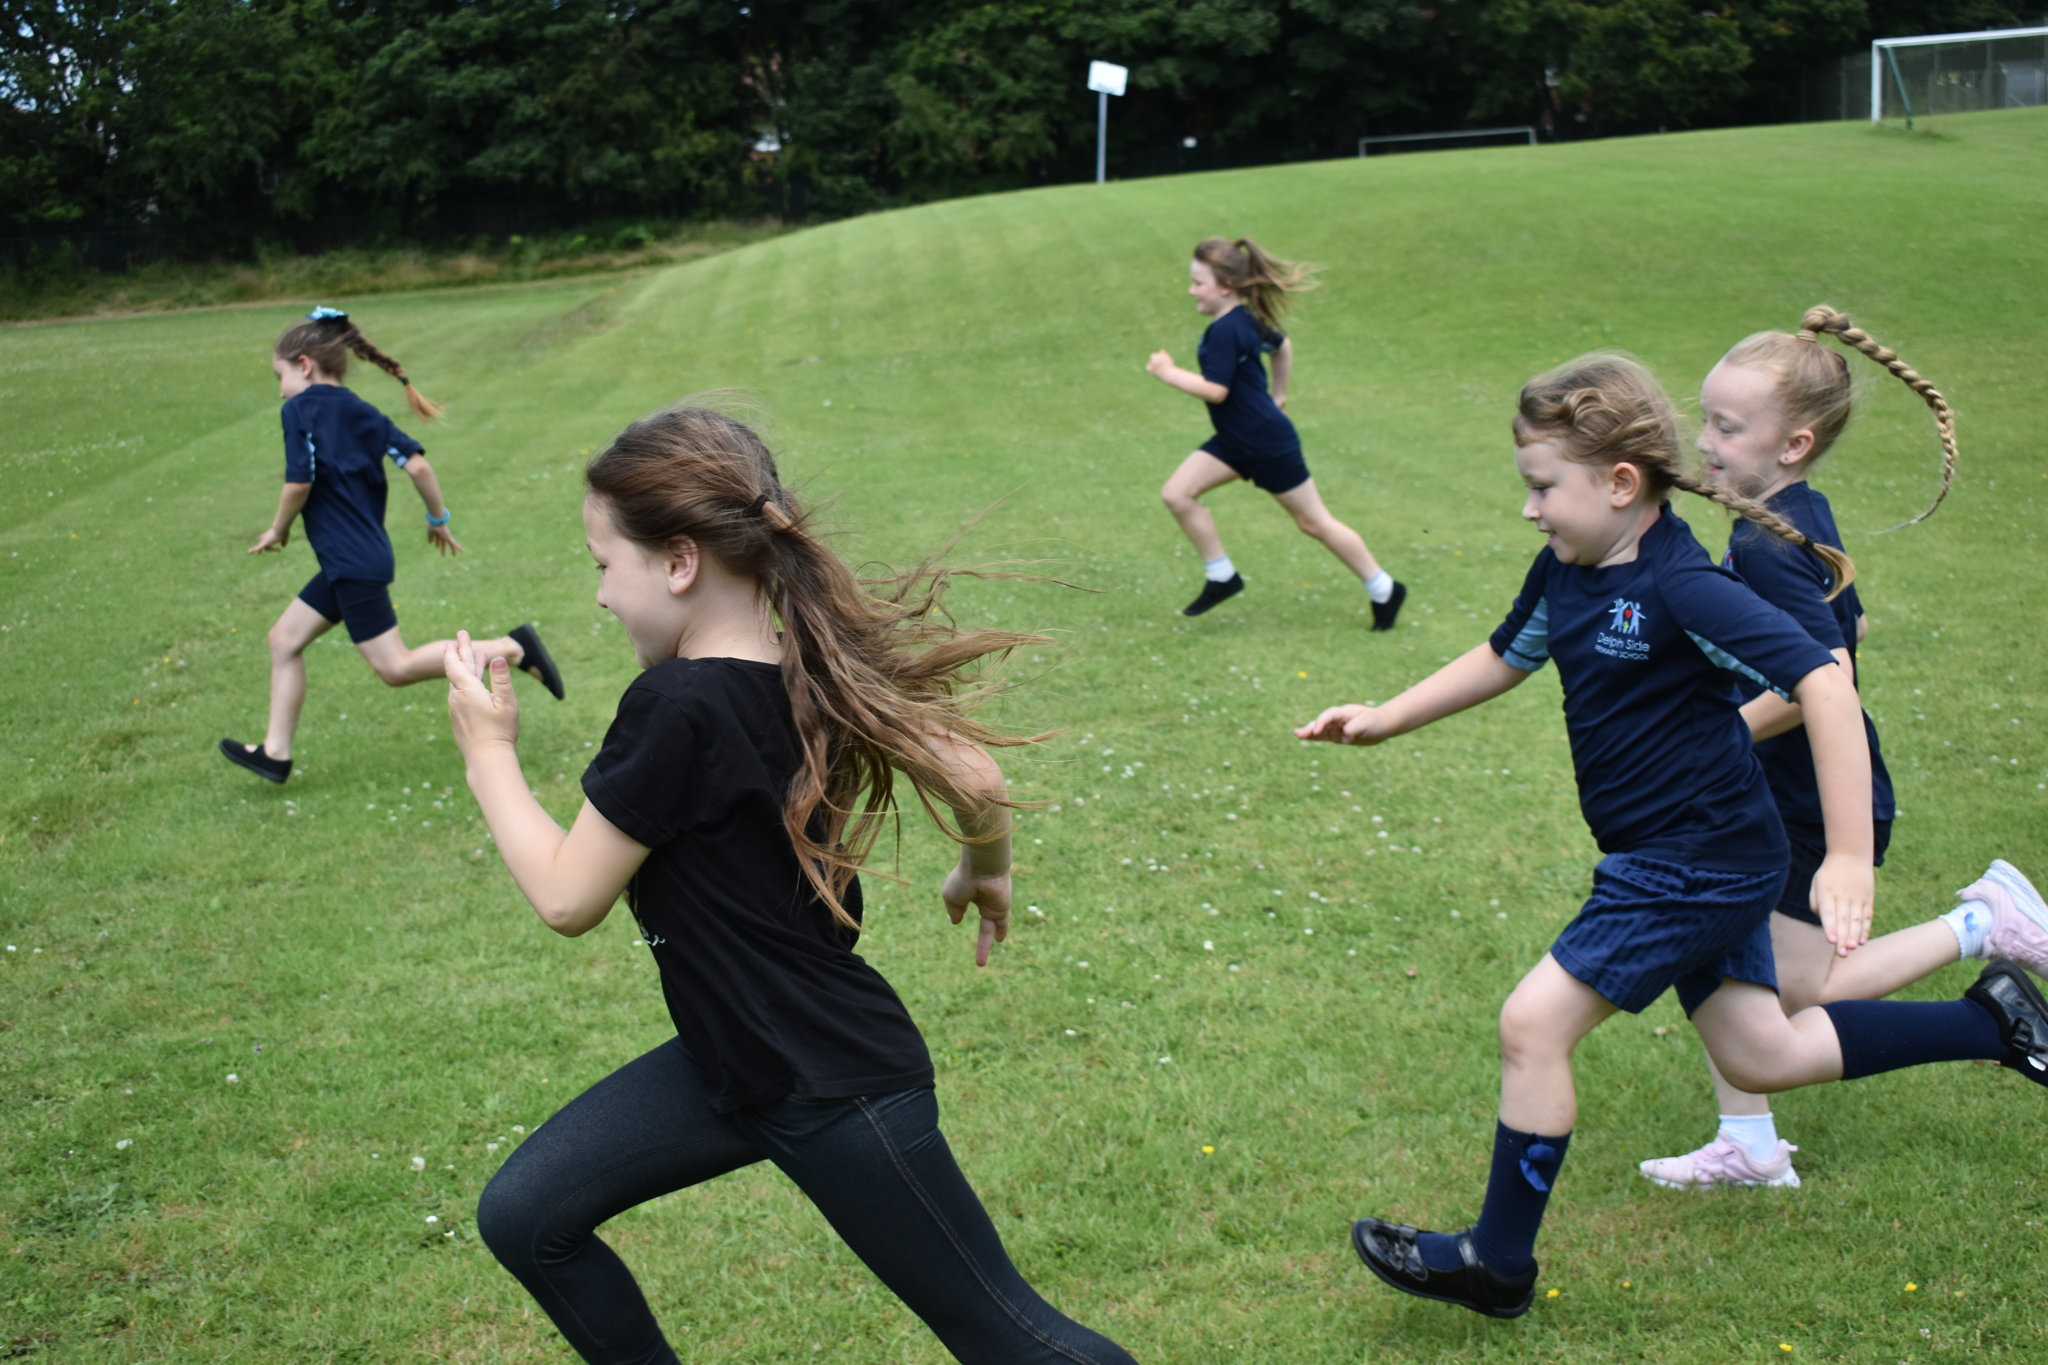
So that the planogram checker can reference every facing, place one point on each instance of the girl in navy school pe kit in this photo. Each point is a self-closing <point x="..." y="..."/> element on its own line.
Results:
<point x="1642" y="624"/>
<point x="1770" y="410"/>
<point x="1244" y="289"/>
<point x="335" y="445"/>
<point x="746" y="776"/>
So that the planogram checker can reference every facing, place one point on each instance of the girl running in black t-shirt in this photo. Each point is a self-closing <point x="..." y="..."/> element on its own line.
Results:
<point x="1245" y="290"/>
<point x="742" y="783"/>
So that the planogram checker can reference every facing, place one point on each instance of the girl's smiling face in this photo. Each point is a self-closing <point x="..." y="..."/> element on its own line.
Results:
<point x="1575" y="504"/>
<point x="634" y="585"/>
<point x="1743" y="436"/>
<point x="1211" y="299"/>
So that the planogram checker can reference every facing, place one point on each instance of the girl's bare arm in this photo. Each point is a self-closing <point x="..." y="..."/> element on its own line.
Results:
<point x="1843" y="887"/>
<point x="1478" y="675"/>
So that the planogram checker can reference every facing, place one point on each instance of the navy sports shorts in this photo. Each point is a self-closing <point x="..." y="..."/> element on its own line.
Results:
<point x="1650" y="925"/>
<point x="1280" y="471"/>
<point x="365" y="608"/>
<point x="1809" y="847"/>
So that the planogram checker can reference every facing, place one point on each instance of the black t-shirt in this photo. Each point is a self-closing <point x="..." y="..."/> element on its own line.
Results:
<point x="1232" y="354"/>
<point x="764" y="986"/>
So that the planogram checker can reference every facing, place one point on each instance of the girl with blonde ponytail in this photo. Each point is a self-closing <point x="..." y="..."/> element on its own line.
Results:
<point x="739" y="789"/>
<point x="1769" y="410"/>
<point x="1642" y="625"/>
<point x="335" y="445"/>
<point x="1244" y="289"/>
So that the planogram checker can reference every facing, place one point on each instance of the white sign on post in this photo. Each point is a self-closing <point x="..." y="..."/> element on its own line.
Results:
<point x="1105" y="79"/>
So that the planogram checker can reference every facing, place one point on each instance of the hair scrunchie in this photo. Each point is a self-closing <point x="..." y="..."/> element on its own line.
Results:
<point x="325" y="314"/>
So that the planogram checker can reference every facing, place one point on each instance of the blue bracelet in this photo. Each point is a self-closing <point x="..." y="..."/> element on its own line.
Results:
<point x="442" y="520"/>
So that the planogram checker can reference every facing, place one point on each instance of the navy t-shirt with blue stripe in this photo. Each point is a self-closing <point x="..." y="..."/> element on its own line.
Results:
<point x="1663" y="757"/>
<point x="1232" y="354"/>
<point x="338" y="443"/>
<point x="1796" y="580"/>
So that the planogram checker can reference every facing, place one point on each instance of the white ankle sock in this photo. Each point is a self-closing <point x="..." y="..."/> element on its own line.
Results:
<point x="1219" y="570"/>
<point x="1756" y="1134"/>
<point x="1971" y="922"/>
<point x="1380" y="587"/>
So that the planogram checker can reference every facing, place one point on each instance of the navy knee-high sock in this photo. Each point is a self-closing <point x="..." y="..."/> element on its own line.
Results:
<point x="1517" y="1191"/>
<point x="1885" y="1035"/>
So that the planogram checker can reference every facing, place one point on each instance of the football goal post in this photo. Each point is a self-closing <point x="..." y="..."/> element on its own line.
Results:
<point x="1954" y="73"/>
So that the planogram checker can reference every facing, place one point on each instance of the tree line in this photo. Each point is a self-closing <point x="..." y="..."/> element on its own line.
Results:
<point x="218" y="125"/>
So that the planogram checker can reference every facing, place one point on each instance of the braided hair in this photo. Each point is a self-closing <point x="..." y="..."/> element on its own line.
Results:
<point x="1813" y="388"/>
<point x="1606" y="410"/>
<point x="327" y="337"/>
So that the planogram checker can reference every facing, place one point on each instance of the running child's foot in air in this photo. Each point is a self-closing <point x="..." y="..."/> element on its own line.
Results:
<point x="2010" y="995"/>
<point x="534" y="659"/>
<point x="1389" y="1251"/>
<point x="1214" y="592"/>
<point x="1724" y="1161"/>
<point x="2019" y="918"/>
<point x="1383" y="613"/>
<point x="256" y="759"/>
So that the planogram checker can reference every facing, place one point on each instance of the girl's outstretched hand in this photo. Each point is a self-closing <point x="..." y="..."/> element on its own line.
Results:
<point x="990" y="895"/>
<point x="1347" y="725"/>
<point x="1159" y="364"/>
<point x="269" y="541"/>
<point x="442" y="539"/>
<point x="479" y="714"/>
<point x="1842" y="894"/>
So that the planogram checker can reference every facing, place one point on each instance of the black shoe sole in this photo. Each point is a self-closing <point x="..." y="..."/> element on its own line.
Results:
<point x="1384" y="613"/>
<point x="537" y="661"/>
<point x="256" y="761"/>
<point x="1393" y="1279"/>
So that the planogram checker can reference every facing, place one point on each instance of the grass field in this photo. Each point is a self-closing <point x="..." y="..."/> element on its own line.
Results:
<point x="260" y="1048"/>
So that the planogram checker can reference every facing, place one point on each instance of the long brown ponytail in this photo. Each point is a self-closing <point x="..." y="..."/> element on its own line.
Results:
<point x="327" y="337"/>
<point x="1255" y="275"/>
<point x="874" y="668"/>
<point x="1813" y="384"/>
<point x="1606" y="410"/>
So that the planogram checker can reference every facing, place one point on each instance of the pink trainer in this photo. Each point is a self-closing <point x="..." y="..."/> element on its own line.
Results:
<point x="2019" y="919"/>
<point x="1723" y="1161"/>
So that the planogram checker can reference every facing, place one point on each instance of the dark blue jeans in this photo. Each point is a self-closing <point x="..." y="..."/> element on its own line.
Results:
<point x="876" y="1167"/>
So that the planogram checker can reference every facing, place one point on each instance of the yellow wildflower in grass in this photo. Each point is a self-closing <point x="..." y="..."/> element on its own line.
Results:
<point x="1208" y="1150"/>
<point x="1912" y="1288"/>
<point x="1551" y="1294"/>
<point x="1785" y="1346"/>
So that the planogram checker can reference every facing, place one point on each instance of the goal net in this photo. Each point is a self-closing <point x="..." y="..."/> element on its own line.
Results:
<point x="1955" y="73"/>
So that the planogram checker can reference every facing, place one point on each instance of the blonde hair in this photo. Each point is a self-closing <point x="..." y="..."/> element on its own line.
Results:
<point x="1262" y="280"/>
<point x="874" y="668"/>
<point x="328" y="337"/>
<point x="1813" y="384"/>
<point x="1605" y="410"/>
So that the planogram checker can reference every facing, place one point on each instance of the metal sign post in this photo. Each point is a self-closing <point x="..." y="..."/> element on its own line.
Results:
<point x="1105" y="79"/>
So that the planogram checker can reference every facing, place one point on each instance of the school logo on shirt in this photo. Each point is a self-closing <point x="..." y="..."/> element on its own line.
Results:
<point x="1623" y="638"/>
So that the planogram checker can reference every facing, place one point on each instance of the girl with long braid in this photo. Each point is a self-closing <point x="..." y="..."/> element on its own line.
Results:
<point x="1772" y="407"/>
<point x="1244" y="289"/>
<point x="1642" y="624"/>
<point x="750" y="767"/>
<point x="335" y="445"/>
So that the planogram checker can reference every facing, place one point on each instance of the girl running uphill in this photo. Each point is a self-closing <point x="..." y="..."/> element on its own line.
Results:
<point x="334" y="448"/>
<point x="1641" y="623"/>
<point x="1774" y="405"/>
<point x="1245" y="290"/>
<point x="745" y="777"/>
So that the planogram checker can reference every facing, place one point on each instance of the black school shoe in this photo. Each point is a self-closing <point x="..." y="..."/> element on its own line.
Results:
<point x="536" y="659"/>
<point x="1383" y="613"/>
<point x="1213" y="593"/>
<point x="2015" y="1002"/>
<point x="1389" y="1251"/>
<point x="257" y="760"/>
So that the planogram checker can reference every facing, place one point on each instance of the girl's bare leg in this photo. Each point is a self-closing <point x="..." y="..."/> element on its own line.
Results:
<point x="1542" y="1021"/>
<point x="400" y="666"/>
<point x="1182" y="494"/>
<point x="1758" y="1048"/>
<point x="298" y="627"/>
<point x="1305" y="505"/>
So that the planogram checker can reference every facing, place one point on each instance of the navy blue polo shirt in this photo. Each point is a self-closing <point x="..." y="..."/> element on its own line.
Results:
<point x="1232" y="354"/>
<point x="1797" y="581"/>
<point x="338" y="443"/>
<point x="1664" y="762"/>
